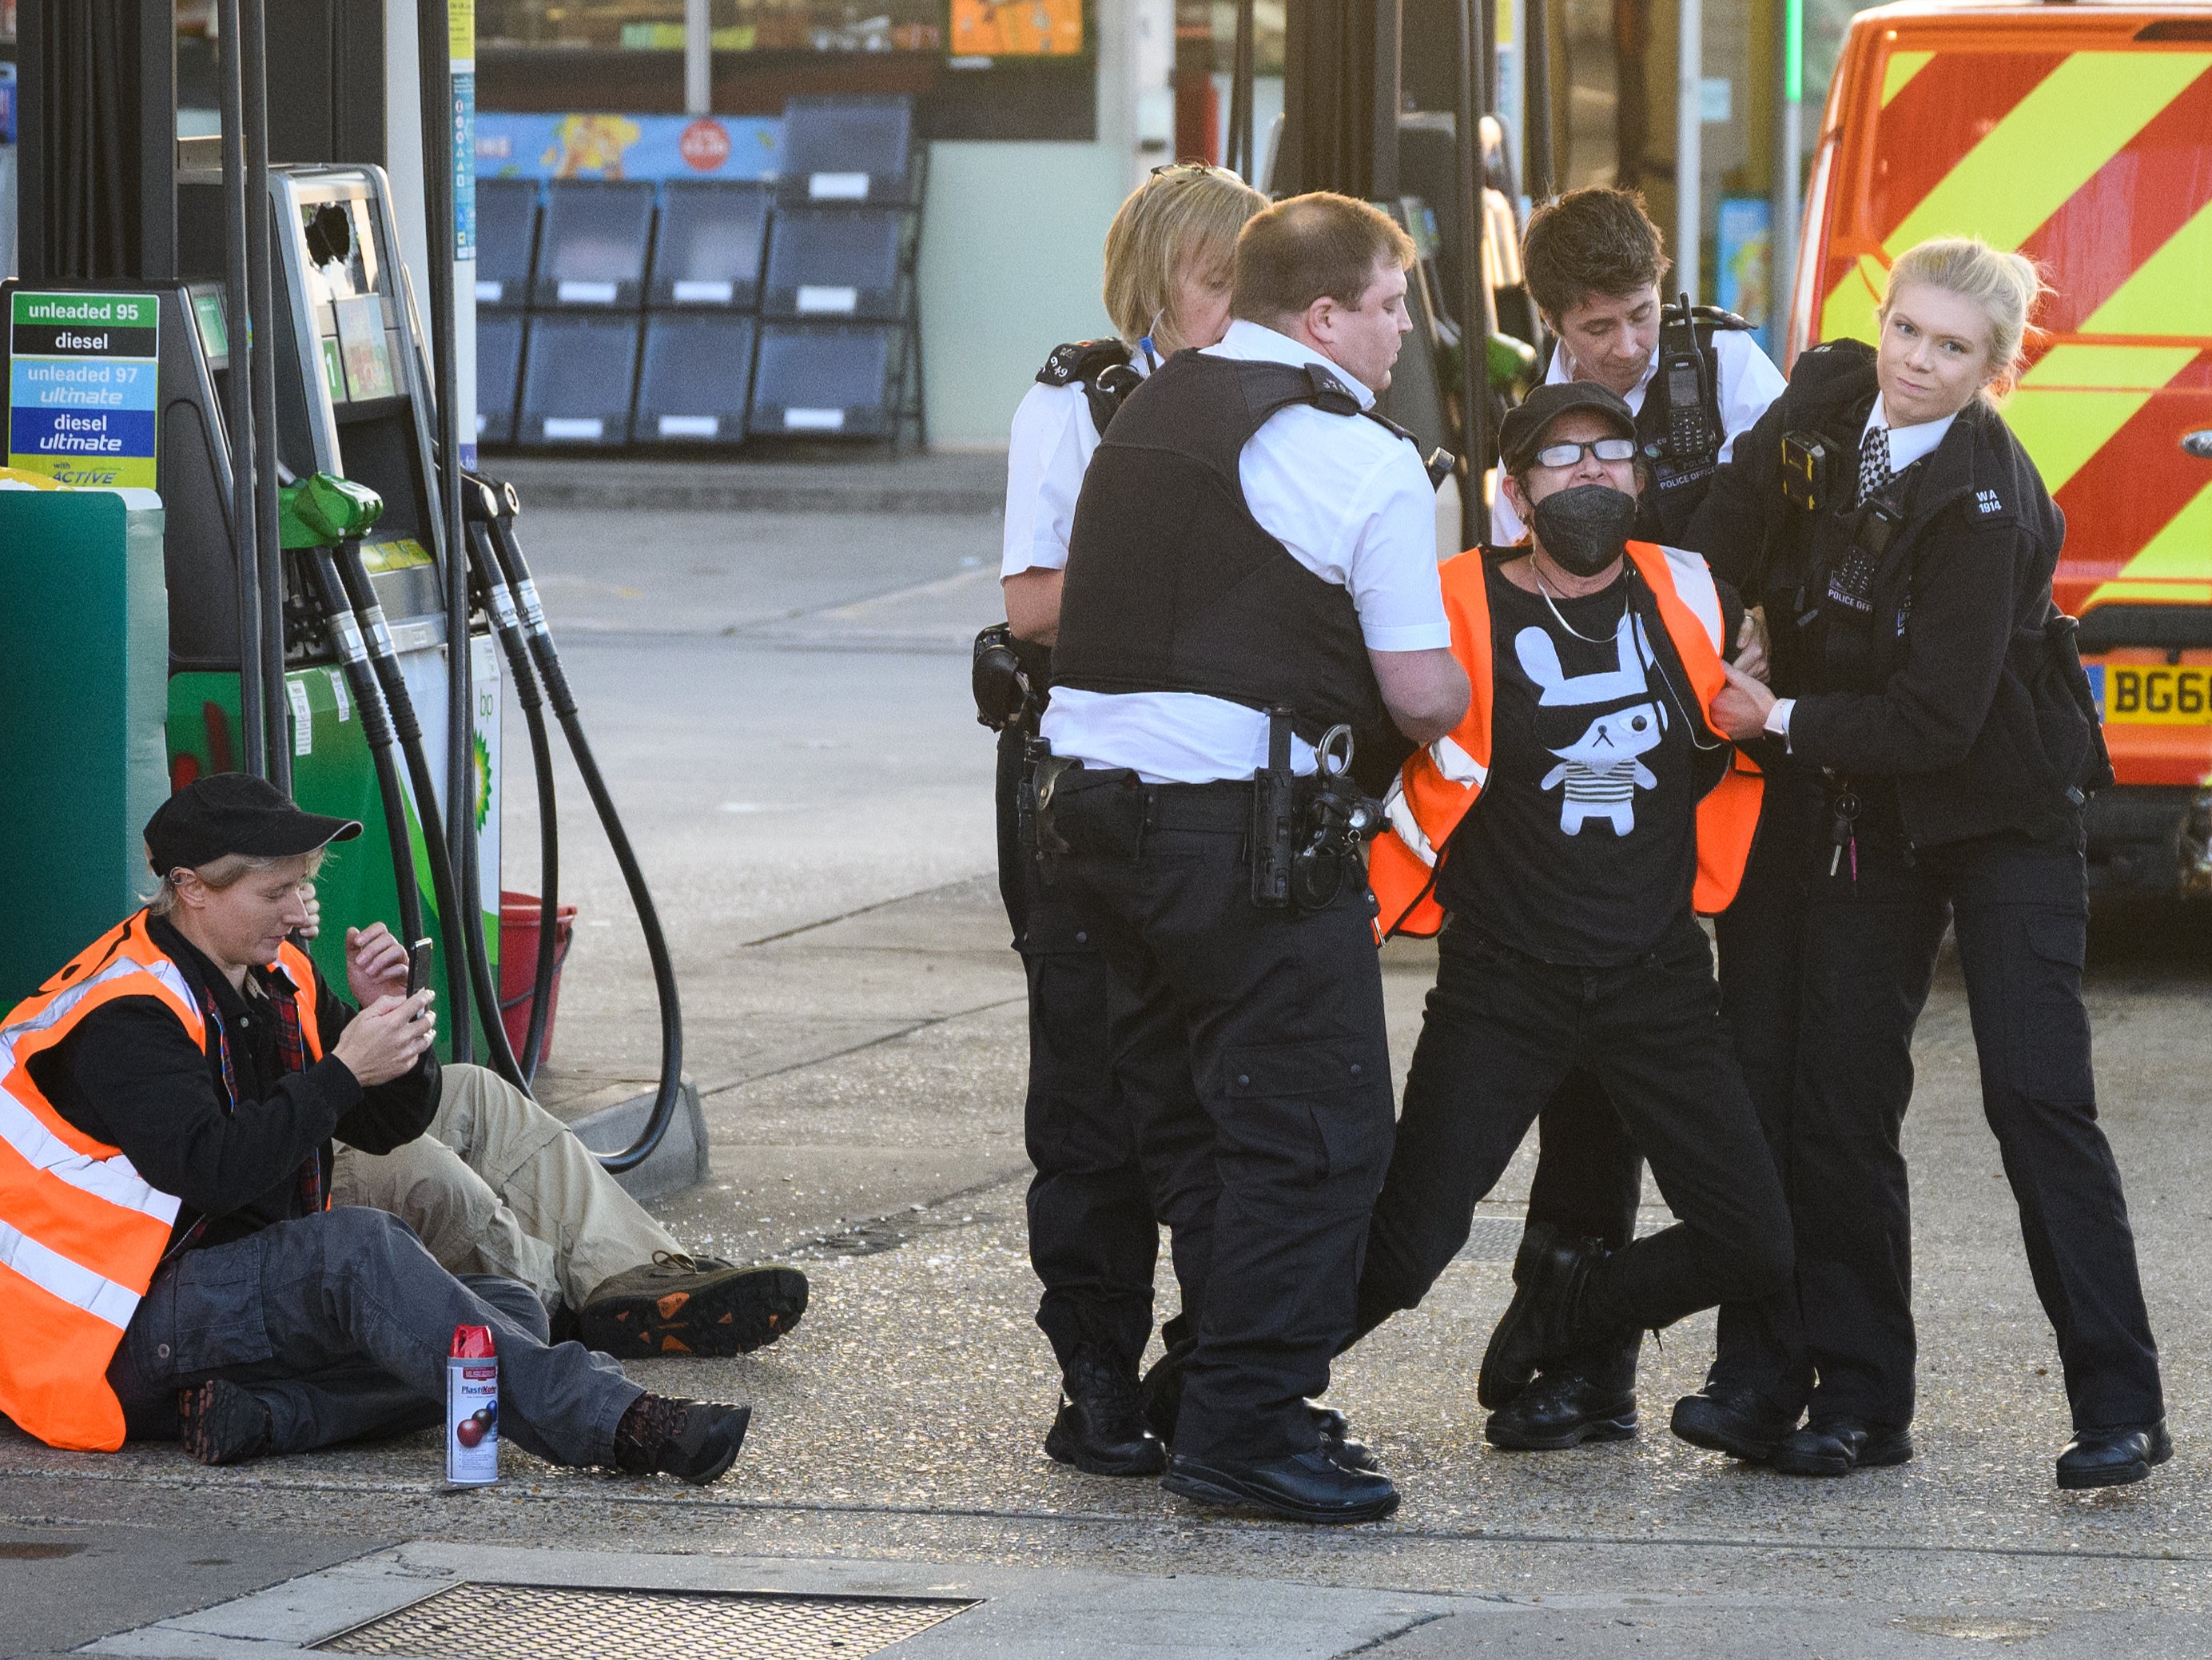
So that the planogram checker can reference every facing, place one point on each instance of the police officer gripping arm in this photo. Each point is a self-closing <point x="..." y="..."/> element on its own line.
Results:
<point x="1092" y="1236"/>
<point x="1251" y="601"/>
<point x="1939" y="696"/>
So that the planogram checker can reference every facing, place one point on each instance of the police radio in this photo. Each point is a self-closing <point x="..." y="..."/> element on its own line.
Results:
<point x="1690" y="435"/>
<point x="1851" y="582"/>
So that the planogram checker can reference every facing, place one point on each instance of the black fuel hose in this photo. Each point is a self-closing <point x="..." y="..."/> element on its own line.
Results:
<point x="548" y="659"/>
<point x="375" y="727"/>
<point x="468" y="973"/>
<point x="480" y="507"/>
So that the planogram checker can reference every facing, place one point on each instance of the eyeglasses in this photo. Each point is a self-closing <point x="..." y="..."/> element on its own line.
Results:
<point x="1188" y="169"/>
<point x="1568" y="455"/>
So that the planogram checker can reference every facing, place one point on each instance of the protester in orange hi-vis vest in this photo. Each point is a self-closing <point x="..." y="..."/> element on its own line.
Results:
<point x="1562" y="840"/>
<point x="170" y="1267"/>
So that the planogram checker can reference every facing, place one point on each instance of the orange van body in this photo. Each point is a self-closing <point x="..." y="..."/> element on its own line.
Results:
<point x="2080" y="134"/>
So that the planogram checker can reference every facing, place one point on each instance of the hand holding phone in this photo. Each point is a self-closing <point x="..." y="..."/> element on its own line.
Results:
<point x="418" y="966"/>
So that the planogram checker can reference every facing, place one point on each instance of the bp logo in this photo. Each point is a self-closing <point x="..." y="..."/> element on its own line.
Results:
<point x="480" y="781"/>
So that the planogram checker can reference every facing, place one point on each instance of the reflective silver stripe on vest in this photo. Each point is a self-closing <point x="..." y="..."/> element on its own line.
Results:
<point x="72" y="1282"/>
<point x="114" y="1179"/>
<point x="1694" y="585"/>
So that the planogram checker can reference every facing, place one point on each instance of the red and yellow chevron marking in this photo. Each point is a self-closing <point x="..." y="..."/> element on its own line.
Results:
<point x="2097" y="163"/>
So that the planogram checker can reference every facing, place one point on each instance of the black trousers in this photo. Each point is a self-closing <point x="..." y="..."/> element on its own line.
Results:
<point x="1500" y="1033"/>
<point x="1093" y="1241"/>
<point x="1249" y="1047"/>
<point x="1588" y="1175"/>
<point x="2019" y="911"/>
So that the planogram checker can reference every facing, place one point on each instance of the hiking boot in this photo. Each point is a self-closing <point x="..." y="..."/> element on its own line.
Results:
<point x="221" y="1423"/>
<point x="699" y="1305"/>
<point x="695" y="1441"/>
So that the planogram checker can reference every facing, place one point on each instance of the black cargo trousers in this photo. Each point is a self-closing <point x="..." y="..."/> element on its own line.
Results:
<point x="1590" y="1174"/>
<point x="2019" y="910"/>
<point x="1249" y="1049"/>
<point x="1093" y="1241"/>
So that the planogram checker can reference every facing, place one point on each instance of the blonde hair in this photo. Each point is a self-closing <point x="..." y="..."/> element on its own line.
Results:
<point x="226" y="871"/>
<point x="2006" y="286"/>
<point x="1182" y="214"/>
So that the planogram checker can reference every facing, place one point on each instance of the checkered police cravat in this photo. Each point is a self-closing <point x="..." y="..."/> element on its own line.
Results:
<point x="1874" y="462"/>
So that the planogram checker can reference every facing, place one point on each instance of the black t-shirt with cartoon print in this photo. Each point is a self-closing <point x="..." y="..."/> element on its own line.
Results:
<point x="1582" y="848"/>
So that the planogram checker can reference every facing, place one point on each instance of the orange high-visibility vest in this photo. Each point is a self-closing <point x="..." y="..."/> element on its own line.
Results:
<point x="1437" y="784"/>
<point x="80" y="1231"/>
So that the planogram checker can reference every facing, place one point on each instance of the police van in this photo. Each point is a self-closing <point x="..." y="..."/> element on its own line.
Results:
<point x="2080" y="134"/>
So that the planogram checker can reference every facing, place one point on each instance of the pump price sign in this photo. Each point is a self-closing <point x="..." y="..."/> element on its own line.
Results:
<point x="83" y="383"/>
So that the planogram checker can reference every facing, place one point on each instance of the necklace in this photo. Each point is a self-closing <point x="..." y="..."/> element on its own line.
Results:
<point x="1544" y="588"/>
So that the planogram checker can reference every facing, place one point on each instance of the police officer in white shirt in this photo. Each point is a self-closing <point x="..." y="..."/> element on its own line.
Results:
<point x="1093" y="1240"/>
<point x="1593" y="259"/>
<point x="1252" y="566"/>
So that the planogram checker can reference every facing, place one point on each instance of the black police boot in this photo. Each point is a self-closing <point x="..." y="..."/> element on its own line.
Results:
<point x="1514" y="1350"/>
<point x="1735" y="1421"/>
<point x="2112" y="1458"/>
<point x="1335" y="1431"/>
<point x="1101" y="1428"/>
<point x="1836" y="1446"/>
<point x="1591" y="1397"/>
<point x="1305" y="1486"/>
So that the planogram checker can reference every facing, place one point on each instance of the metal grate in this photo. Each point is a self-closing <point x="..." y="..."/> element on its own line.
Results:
<point x="553" y="1622"/>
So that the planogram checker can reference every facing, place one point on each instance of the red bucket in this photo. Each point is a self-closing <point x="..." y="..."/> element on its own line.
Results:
<point x="518" y="965"/>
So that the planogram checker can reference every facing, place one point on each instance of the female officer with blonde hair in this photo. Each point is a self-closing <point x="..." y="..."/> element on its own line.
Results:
<point x="1942" y="708"/>
<point x="1092" y="1236"/>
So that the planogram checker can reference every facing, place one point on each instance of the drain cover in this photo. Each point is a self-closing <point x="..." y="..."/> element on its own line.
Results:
<point x="554" y="1622"/>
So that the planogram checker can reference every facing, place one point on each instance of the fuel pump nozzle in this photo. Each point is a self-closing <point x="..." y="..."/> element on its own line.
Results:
<point x="314" y="516"/>
<point x="500" y="554"/>
<point x="331" y="508"/>
<point x="482" y="504"/>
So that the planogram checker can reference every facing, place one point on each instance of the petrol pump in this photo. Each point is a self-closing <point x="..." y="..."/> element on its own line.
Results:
<point x="237" y="351"/>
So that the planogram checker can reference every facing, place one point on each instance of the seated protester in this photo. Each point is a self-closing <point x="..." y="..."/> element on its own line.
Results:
<point x="176" y="1273"/>
<point x="497" y="1185"/>
<point x="1571" y="827"/>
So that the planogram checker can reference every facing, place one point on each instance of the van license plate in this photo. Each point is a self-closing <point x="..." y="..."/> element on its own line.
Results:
<point x="2155" y="696"/>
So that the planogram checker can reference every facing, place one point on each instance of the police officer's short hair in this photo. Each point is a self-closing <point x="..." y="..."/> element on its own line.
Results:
<point x="1594" y="241"/>
<point x="1182" y="212"/>
<point x="1309" y="246"/>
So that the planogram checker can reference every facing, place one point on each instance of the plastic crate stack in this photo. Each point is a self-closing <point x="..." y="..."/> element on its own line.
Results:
<point x="841" y="333"/>
<point x="615" y="312"/>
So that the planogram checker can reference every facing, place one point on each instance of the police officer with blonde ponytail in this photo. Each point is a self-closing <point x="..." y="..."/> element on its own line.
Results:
<point x="1904" y="544"/>
<point x="1093" y="1241"/>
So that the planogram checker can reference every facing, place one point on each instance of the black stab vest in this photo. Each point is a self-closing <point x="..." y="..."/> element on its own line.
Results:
<point x="1173" y="585"/>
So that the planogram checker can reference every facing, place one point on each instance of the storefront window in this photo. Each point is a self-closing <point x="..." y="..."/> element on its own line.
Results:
<point x="736" y="25"/>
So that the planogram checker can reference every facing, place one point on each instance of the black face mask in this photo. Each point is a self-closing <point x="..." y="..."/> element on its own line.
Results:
<point x="1585" y="529"/>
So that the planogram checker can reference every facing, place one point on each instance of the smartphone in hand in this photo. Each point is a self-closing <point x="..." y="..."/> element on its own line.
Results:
<point x="418" y="966"/>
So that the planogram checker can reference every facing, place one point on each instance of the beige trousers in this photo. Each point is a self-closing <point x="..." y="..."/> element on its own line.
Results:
<point x="499" y="1185"/>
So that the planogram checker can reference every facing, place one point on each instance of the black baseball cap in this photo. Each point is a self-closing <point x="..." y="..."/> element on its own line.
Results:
<point x="1521" y="434"/>
<point x="228" y="812"/>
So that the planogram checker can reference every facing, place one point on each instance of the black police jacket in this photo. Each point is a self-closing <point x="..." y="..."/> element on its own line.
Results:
<point x="1962" y="700"/>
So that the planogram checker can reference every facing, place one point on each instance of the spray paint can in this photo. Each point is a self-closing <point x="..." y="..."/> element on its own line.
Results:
<point x="472" y="1408"/>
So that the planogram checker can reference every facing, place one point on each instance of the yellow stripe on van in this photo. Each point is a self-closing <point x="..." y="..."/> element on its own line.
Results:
<point x="1901" y="68"/>
<point x="1848" y="313"/>
<point x="2048" y="145"/>
<point x="2170" y="293"/>
<point x="2182" y="552"/>
<point x="2070" y="405"/>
